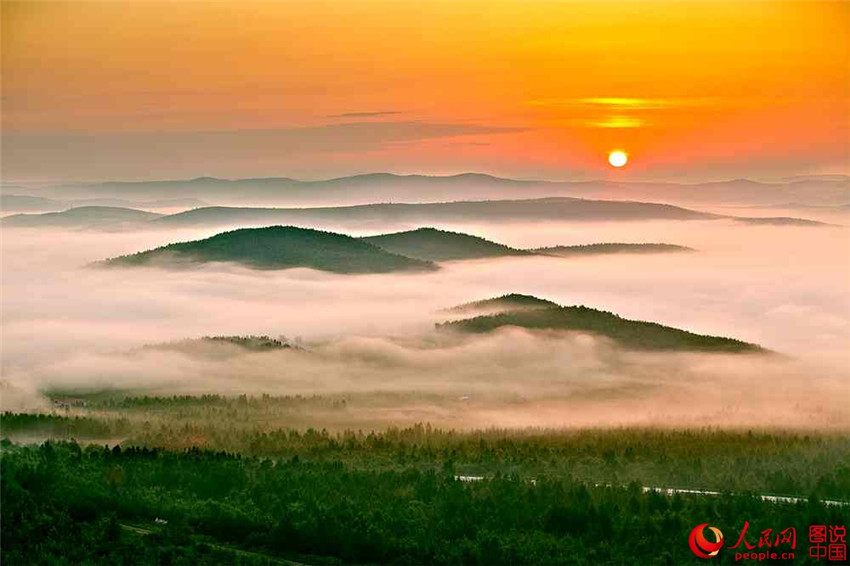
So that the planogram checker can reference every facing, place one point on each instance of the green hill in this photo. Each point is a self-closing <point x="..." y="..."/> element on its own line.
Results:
<point x="633" y="334"/>
<point x="614" y="248"/>
<point x="431" y="244"/>
<point x="510" y="302"/>
<point x="278" y="247"/>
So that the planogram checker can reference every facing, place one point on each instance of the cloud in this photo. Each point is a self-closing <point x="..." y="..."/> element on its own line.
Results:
<point x="617" y="112"/>
<point x="623" y="103"/>
<point x="617" y="122"/>
<point x="365" y="114"/>
<point x="372" y="336"/>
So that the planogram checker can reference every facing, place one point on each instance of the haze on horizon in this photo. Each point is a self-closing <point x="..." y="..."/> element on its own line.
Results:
<point x="541" y="90"/>
<point x="690" y="90"/>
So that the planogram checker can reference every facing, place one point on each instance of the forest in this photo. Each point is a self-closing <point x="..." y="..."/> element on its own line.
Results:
<point x="101" y="505"/>
<point x="115" y="479"/>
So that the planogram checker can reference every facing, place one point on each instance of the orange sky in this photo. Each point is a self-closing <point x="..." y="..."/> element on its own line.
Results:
<point x="156" y="89"/>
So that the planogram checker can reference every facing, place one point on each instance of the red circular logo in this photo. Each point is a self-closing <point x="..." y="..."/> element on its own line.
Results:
<point x="701" y="546"/>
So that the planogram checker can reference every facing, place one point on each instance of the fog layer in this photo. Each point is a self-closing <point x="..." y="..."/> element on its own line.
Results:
<point x="69" y="328"/>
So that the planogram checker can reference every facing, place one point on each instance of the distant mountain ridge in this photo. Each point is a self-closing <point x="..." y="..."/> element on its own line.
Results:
<point x="390" y="187"/>
<point x="556" y="209"/>
<point x="26" y="203"/>
<point x="82" y="217"/>
<point x="15" y="203"/>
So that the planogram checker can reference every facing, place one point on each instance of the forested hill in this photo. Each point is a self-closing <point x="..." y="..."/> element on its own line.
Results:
<point x="431" y="244"/>
<point x="611" y="248"/>
<point x="633" y="334"/>
<point x="509" y="302"/>
<point x="277" y="247"/>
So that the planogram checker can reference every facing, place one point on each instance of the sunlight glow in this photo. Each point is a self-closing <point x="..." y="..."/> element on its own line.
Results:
<point x="618" y="158"/>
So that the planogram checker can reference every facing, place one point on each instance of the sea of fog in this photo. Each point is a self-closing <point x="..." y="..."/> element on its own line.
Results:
<point x="69" y="327"/>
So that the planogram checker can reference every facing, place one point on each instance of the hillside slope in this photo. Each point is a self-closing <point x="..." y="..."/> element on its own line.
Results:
<point x="430" y="244"/>
<point x="278" y="247"/>
<point x="632" y="334"/>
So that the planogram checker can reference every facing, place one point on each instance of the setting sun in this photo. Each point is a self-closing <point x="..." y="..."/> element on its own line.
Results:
<point x="618" y="158"/>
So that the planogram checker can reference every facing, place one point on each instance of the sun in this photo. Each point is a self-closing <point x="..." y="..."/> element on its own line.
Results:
<point x="618" y="158"/>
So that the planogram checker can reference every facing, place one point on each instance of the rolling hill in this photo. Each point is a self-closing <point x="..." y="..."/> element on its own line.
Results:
<point x="781" y="221"/>
<point x="555" y="209"/>
<point x="81" y="217"/>
<point x="430" y="244"/>
<point x="546" y="209"/>
<point x="10" y="203"/>
<point x="610" y="248"/>
<point x="632" y="334"/>
<point x="15" y="203"/>
<point x="282" y="247"/>
<point x="277" y="247"/>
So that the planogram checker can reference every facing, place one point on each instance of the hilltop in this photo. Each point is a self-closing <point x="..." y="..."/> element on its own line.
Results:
<point x="632" y="334"/>
<point x="509" y="302"/>
<point x="611" y="248"/>
<point x="278" y="247"/>
<point x="431" y="244"/>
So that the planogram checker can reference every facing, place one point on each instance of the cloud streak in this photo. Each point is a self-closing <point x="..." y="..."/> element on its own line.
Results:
<point x="378" y="114"/>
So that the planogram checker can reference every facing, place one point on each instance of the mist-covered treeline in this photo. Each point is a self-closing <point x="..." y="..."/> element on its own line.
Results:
<point x="776" y="462"/>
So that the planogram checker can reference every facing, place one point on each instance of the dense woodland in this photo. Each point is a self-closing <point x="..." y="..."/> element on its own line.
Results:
<point x="67" y="503"/>
<point x="779" y="463"/>
<point x="210" y="480"/>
